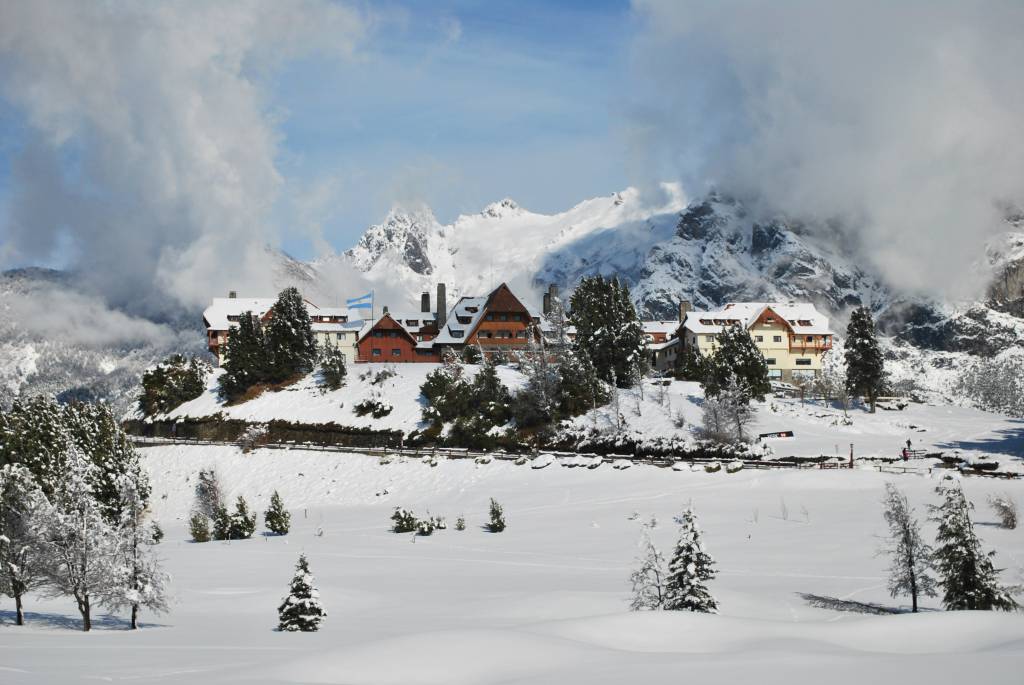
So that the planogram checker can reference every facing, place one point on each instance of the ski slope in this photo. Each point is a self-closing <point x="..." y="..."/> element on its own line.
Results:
<point x="543" y="602"/>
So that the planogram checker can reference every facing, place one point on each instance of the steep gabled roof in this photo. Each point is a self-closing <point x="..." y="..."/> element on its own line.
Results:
<point x="386" y="323"/>
<point x="501" y="299"/>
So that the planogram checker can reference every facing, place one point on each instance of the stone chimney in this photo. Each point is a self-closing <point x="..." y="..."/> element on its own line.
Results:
<point x="232" y="295"/>
<point x="549" y="298"/>
<point x="442" y="306"/>
<point x="385" y="309"/>
<point x="425" y="303"/>
<point x="684" y="308"/>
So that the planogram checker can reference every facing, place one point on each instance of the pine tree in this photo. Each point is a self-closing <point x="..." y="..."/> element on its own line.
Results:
<point x="291" y="345"/>
<point x="175" y="380"/>
<point x="221" y="523"/>
<point x="277" y="518"/>
<point x="689" y="365"/>
<point x="301" y="609"/>
<point x="490" y="399"/>
<point x="579" y="388"/>
<point x="242" y="524"/>
<point x="497" y="522"/>
<point x="910" y="556"/>
<point x="209" y="493"/>
<point x="34" y="434"/>
<point x="21" y="501"/>
<point x="691" y="567"/>
<point x="649" y="578"/>
<point x="607" y="329"/>
<point x="968" y="578"/>
<point x="865" y="369"/>
<point x="138" y="580"/>
<point x="199" y="527"/>
<point x="736" y="356"/>
<point x="332" y="367"/>
<point x="246" y="360"/>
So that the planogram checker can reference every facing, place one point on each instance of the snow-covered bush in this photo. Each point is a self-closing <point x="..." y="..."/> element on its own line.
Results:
<point x="382" y="375"/>
<point x="460" y="523"/>
<point x="1005" y="508"/>
<point x="497" y="522"/>
<point x="277" y="518"/>
<point x="253" y="436"/>
<point x="243" y="524"/>
<point x="301" y="610"/>
<point x="332" y="367"/>
<point x="734" y="466"/>
<point x="199" y="527"/>
<point x="404" y="521"/>
<point x="712" y="467"/>
<point x="172" y="382"/>
<point x="156" y="533"/>
<point x="209" y="493"/>
<point x="378" y="408"/>
<point x="221" y="523"/>
<point x="425" y="527"/>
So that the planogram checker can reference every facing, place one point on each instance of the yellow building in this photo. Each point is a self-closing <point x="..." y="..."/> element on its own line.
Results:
<point x="792" y="337"/>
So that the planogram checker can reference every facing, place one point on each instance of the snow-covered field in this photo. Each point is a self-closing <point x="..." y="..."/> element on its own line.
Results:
<point x="543" y="602"/>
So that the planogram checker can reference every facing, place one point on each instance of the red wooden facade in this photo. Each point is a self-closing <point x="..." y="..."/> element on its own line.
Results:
<point x="388" y="341"/>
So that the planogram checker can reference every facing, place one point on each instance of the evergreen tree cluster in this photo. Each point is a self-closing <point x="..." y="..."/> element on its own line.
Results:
<point x="472" y="407"/>
<point x="279" y="351"/>
<point x="211" y="520"/>
<point x="79" y="532"/>
<point x="682" y="586"/>
<point x="174" y="381"/>
<point x="608" y="330"/>
<point x="966" y="573"/>
<point x="736" y="361"/>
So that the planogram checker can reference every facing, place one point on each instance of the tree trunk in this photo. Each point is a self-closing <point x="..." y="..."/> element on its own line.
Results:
<point x="19" y="610"/>
<point x="83" y="608"/>
<point x="135" y="616"/>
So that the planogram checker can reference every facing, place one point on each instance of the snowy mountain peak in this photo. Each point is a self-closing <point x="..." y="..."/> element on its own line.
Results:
<point x="404" y="233"/>
<point x="506" y="207"/>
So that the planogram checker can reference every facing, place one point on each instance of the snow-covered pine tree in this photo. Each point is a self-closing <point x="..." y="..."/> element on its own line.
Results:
<point x="291" y="344"/>
<point x="607" y="328"/>
<point x="242" y="524"/>
<point x="910" y="557"/>
<point x="580" y="390"/>
<point x="736" y="356"/>
<point x="489" y="398"/>
<point x="221" y="523"/>
<point x="497" y="522"/>
<point x="301" y="610"/>
<point x="968" y="578"/>
<point x="33" y="434"/>
<point x="277" y="518"/>
<point x="21" y="502"/>
<point x="199" y="527"/>
<point x="246" y="360"/>
<point x="209" y="493"/>
<point x="649" y="578"/>
<point x="332" y="367"/>
<point x="173" y="381"/>
<point x="139" y="581"/>
<point x="78" y="547"/>
<point x="691" y="567"/>
<point x="865" y="368"/>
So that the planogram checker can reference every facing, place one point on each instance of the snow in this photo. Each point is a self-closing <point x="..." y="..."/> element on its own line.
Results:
<point x="546" y="600"/>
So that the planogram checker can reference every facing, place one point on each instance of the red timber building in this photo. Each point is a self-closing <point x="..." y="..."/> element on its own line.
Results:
<point x="499" y="321"/>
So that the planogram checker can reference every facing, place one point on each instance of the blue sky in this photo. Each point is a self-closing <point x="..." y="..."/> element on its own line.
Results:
<point x="458" y="104"/>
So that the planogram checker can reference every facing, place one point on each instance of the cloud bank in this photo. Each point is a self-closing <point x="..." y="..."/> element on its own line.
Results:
<point x="150" y="153"/>
<point x="904" y="121"/>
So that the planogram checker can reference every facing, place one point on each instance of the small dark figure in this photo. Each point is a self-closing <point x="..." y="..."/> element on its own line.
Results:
<point x="906" y="454"/>
<point x="908" y="444"/>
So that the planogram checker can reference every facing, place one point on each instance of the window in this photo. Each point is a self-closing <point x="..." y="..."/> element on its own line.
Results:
<point x="489" y="317"/>
<point x="774" y="373"/>
<point x="810" y="338"/>
<point x="392" y="334"/>
<point x="758" y="338"/>
<point x="339" y="336"/>
<point x="485" y="334"/>
<point x="396" y="352"/>
<point x="376" y="352"/>
<point x="769" y="319"/>
<point x="472" y="310"/>
<point x="502" y="317"/>
<point x="378" y="334"/>
<point x="412" y="322"/>
<point x="456" y="332"/>
<point x="776" y="338"/>
<point x="521" y="334"/>
<point x="803" y="361"/>
<point x="424" y="353"/>
<point x="770" y="361"/>
<point x="517" y="317"/>
<point x="804" y="322"/>
<point x="709" y="338"/>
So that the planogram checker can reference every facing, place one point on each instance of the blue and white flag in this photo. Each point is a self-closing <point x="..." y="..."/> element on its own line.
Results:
<point x="361" y="302"/>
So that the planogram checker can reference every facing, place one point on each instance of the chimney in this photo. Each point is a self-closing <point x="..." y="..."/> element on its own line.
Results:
<point x="442" y="306"/>
<point x="385" y="309"/>
<point x="684" y="308"/>
<point x="547" y="304"/>
<point x="425" y="303"/>
<point x="232" y="295"/>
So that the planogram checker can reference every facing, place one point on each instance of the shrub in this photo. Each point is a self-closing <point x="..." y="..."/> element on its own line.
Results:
<point x="242" y="524"/>
<point x="404" y="521"/>
<point x="277" y="518"/>
<point x="377" y="408"/>
<point x="199" y="525"/>
<point x="1006" y="510"/>
<point x="460" y="523"/>
<point x="253" y="436"/>
<point x="425" y="527"/>
<point x="156" y="533"/>
<point x="174" y="381"/>
<point x="332" y="367"/>
<point x="221" y="523"/>
<point x="209" y="494"/>
<point x="497" y="522"/>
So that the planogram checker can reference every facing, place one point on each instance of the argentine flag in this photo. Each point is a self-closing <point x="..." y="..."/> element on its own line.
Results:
<point x="361" y="302"/>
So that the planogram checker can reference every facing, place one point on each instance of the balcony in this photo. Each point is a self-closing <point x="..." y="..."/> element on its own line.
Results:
<point x="799" y="345"/>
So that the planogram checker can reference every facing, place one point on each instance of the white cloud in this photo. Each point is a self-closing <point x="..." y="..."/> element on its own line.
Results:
<point x="153" y="148"/>
<point x="903" y="120"/>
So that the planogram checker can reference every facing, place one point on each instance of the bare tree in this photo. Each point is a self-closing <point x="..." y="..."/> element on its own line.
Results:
<point x="649" y="577"/>
<point x="910" y="557"/>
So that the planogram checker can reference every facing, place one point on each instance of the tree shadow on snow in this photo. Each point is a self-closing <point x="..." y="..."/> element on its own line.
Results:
<point x="71" y="622"/>
<point x="849" y="605"/>
<point x="1005" y="442"/>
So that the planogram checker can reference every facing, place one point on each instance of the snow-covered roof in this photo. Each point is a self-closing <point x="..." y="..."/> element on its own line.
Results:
<point x="802" y="317"/>
<point x="338" y="327"/>
<point x="666" y="327"/>
<point x="469" y="309"/>
<point x="216" y="315"/>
